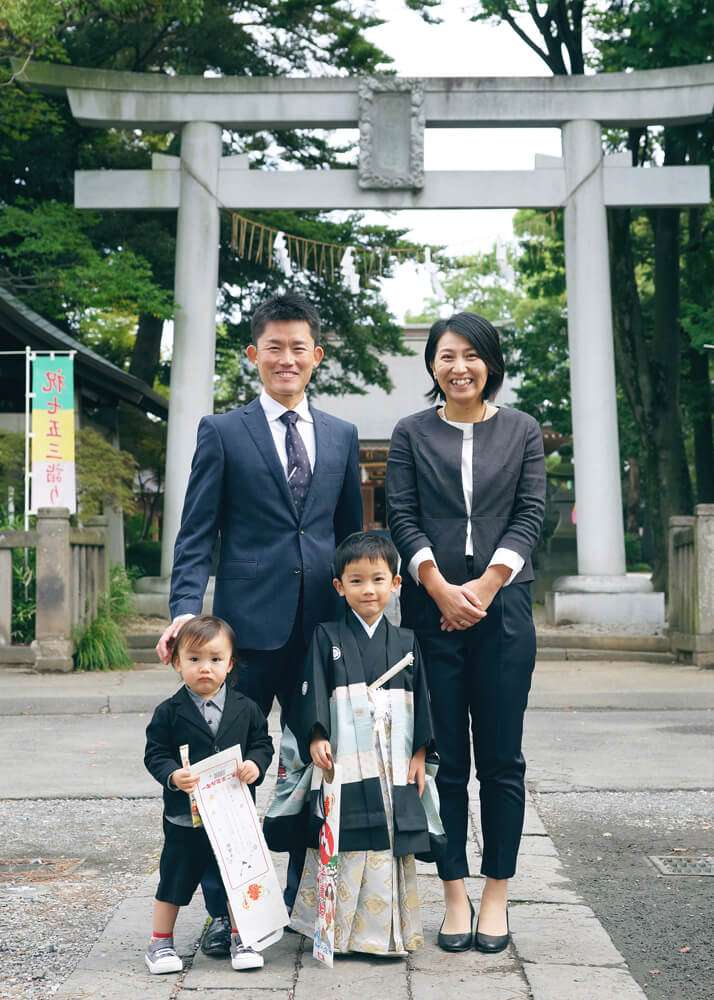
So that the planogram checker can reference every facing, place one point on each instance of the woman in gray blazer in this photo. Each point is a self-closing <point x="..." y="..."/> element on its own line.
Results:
<point x="466" y="497"/>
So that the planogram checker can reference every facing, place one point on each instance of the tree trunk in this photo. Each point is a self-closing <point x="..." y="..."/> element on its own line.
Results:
<point x="632" y="522"/>
<point x="649" y="372"/>
<point x="146" y="356"/>
<point x="673" y="479"/>
<point x="699" y="394"/>
<point x="700" y="408"/>
<point x="633" y="366"/>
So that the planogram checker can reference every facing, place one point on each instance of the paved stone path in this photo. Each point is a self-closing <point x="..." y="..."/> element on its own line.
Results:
<point x="560" y="951"/>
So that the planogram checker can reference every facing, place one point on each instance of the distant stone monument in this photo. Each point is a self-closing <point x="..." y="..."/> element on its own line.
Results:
<point x="391" y="115"/>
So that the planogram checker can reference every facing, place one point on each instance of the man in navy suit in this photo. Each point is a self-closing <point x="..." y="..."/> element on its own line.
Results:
<point x="278" y="482"/>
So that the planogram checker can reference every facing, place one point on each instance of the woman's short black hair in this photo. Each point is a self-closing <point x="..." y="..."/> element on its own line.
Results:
<point x="482" y="335"/>
<point x="365" y="545"/>
<point x="288" y="306"/>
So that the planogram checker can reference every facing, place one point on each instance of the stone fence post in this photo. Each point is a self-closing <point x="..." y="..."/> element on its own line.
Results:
<point x="691" y="591"/>
<point x="704" y="584"/>
<point x="53" y="630"/>
<point x="5" y="596"/>
<point x="100" y="522"/>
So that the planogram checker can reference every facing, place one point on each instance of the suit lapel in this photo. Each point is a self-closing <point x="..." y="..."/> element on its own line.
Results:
<point x="257" y="425"/>
<point x="323" y="442"/>
<point x="233" y="708"/>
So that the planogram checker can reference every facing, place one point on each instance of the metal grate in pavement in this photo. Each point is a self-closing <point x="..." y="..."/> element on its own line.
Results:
<point x="702" y="864"/>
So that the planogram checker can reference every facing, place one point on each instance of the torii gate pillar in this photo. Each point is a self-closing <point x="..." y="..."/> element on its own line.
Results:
<point x="196" y="288"/>
<point x="601" y="593"/>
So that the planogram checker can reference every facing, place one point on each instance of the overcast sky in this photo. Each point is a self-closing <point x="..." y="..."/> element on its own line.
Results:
<point x="457" y="47"/>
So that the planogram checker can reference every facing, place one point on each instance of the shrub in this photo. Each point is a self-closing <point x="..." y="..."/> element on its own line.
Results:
<point x="24" y="605"/>
<point x="101" y="645"/>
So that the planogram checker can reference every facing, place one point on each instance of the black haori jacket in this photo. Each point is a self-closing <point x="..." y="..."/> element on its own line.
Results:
<point x="340" y="663"/>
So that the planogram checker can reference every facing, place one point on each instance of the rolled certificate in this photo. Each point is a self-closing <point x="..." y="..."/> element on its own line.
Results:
<point x="195" y="815"/>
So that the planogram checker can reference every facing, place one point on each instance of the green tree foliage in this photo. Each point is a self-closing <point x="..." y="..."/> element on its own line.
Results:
<point x="558" y="23"/>
<point x="97" y="273"/>
<point x="104" y="474"/>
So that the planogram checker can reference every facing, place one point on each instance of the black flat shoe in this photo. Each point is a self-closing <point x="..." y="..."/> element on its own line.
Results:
<point x="216" y="940"/>
<point x="457" y="942"/>
<point x="491" y="944"/>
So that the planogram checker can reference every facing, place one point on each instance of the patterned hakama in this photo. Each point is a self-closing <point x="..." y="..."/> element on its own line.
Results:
<point x="377" y="898"/>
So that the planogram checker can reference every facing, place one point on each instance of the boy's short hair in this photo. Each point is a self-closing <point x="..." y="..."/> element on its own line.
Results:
<point x="366" y="545"/>
<point x="196" y="632"/>
<point x="282" y="308"/>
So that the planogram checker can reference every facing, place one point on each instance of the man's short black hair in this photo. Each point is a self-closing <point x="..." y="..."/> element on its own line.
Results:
<point x="483" y="337"/>
<point x="281" y="308"/>
<point x="366" y="545"/>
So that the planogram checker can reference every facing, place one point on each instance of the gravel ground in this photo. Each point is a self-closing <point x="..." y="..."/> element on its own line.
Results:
<point x="65" y="866"/>
<point x="661" y="924"/>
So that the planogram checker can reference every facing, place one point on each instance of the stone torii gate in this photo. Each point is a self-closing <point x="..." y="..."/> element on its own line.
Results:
<point x="392" y="114"/>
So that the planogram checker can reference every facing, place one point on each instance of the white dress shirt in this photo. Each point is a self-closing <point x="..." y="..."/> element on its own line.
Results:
<point x="369" y="629"/>
<point x="502" y="556"/>
<point x="305" y="427"/>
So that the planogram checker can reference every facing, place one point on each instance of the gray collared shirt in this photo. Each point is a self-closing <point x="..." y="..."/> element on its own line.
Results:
<point x="210" y="708"/>
<point x="212" y="711"/>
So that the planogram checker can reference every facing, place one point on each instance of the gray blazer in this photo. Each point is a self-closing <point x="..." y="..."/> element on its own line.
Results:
<point x="425" y="499"/>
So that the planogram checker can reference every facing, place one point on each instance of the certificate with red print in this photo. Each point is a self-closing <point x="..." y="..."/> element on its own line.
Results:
<point x="231" y="822"/>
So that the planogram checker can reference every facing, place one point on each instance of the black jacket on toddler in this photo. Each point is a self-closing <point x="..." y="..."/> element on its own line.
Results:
<point x="178" y="720"/>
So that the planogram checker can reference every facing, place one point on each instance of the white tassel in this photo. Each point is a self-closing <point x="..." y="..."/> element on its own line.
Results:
<point x="281" y="255"/>
<point x="432" y="271"/>
<point x="350" y="277"/>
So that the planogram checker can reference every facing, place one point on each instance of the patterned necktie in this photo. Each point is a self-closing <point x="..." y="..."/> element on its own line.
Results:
<point x="299" y="471"/>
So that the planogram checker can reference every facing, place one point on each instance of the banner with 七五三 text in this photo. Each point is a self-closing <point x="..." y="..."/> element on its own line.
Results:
<point x="53" y="471"/>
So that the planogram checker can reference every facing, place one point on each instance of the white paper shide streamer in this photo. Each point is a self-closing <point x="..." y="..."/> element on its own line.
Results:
<point x="281" y="255"/>
<point x="432" y="271"/>
<point x="350" y="277"/>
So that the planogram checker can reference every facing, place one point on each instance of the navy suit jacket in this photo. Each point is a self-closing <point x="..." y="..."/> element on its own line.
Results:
<point x="238" y="490"/>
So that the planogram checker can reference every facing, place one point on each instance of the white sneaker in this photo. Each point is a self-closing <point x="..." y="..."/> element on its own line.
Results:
<point x="161" y="957"/>
<point x="244" y="958"/>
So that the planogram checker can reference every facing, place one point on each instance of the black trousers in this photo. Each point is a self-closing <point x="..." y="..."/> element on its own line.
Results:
<point x="263" y="675"/>
<point x="186" y="859"/>
<point x="483" y="673"/>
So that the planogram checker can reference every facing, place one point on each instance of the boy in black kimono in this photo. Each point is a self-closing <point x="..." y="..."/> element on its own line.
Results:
<point x="380" y="739"/>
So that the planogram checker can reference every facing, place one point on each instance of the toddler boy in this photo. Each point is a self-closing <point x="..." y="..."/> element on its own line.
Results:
<point x="209" y="716"/>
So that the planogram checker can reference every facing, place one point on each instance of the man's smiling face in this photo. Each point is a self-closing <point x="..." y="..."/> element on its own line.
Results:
<point x="286" y="355"/>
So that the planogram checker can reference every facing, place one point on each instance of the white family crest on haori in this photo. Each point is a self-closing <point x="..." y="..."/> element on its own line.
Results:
<point x="336" y="652"/>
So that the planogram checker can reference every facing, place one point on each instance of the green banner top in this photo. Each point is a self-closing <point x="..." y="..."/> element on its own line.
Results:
<point x="53" y="384"/>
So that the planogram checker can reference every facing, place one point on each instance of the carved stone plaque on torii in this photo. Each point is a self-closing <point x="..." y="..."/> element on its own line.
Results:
<point x="392" y="114"/>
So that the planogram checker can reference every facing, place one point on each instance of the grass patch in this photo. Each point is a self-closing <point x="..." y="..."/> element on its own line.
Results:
<point x="101" y="645"/>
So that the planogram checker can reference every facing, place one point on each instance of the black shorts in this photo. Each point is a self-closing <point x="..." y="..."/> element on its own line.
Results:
<point x="186" y="857"/>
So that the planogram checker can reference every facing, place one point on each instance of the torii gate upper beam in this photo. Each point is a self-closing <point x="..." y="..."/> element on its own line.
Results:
<point x="108" y="98"/>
